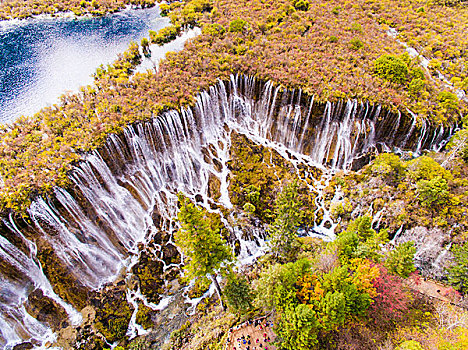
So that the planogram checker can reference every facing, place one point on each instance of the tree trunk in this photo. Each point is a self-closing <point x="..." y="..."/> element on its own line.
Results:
<point x="218" y="289"/>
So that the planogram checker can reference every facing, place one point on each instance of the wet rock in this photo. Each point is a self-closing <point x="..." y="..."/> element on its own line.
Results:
<point x="23" y="346"/>
<point x="64" y="283"/>
<point x="171" y="254"/>
<point x="46" y="310"/>
<point x="214" y="187"/>
<point x="113" y="313"/>
<point x="149" y="271"/>
<point x="144" y="316"/>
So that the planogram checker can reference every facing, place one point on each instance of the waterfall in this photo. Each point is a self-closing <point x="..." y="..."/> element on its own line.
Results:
<point x="95" y="226"/>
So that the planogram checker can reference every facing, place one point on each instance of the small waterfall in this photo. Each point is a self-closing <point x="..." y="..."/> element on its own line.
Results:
<point x="96" y="225"/>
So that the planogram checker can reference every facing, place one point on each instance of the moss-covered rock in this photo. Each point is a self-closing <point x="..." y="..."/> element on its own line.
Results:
<point x="143" y="316"/>
<point x="256" y="175"/>
<point x="200" y="287"/>
<point x="113" y="313"/>
<point x="63" y="281"/>
<point x="149" y="271"/>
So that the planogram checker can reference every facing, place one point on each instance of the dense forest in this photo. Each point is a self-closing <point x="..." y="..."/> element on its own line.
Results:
<point x="392" y="274"/>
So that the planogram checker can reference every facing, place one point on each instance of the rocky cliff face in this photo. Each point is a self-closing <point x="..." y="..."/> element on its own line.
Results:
<point x="117" y="219"/>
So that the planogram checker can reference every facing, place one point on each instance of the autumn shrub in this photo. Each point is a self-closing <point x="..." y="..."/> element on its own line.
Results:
<point x="415" y="86"/>
<point x="426" y="168"/>
<point x="164" y="9"/>
<point x="410" y="345"/>
<point x="392" y="300"/>
<point x="391" y="68"/>
<point x="448" y="100"/>
<point x="214" y="29"/>
<point x="336" y="10"/>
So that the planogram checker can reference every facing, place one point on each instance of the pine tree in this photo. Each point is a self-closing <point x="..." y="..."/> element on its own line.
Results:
<point x="204" y="249"/>
<point x="283" y="231"/>
<point x="238" y="294"/>
<point x="400" y="260"/>
<point x="458" y="272"/>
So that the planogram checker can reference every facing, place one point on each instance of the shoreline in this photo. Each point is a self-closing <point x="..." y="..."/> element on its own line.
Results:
<point x="68" y="13"/>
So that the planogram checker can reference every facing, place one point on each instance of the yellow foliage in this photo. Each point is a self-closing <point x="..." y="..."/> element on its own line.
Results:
<point x="363" y="274"/>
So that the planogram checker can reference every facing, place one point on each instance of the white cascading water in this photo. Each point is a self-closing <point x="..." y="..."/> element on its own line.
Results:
<point x="142" y="170"/>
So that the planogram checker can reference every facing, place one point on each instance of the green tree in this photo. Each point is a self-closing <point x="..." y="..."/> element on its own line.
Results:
<point x="203" y="247"/>
<point x="361" y="240"/>
<point x="433" y="192"/>
<point x="275" y="283"/>
<point x="238" y="294"/>
<point x="298" y="328"/>
<point x="400" y="260"/>
<point x="283" y="231"/>
<point x="458" y="271"/>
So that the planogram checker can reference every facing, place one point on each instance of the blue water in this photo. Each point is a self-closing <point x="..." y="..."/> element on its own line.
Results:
<point x="42" y="59"/>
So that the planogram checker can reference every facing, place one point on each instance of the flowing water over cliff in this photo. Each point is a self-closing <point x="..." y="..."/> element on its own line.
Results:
<point x="125" y="193"/>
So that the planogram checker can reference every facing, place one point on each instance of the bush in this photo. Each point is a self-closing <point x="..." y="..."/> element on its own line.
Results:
<point x="391" y="68"/>
<point x="410" y="345"/>
<point x="433" y="192"/>
<point x="426" y="168"/>
<point x="389" y="166"/>
<point x="237" y="26"/>
<point x="355" y="44"/>
<point x="448" y="100"/>
<point x="214" y="29"/>
<point x="164" y="35"/>
<point x="301" y="5"/>
<point x="416" y="85"/>
<point x="164" y="8"/>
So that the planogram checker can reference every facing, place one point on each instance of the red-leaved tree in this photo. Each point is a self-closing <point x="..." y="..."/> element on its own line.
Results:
<point x="392" y="301"/>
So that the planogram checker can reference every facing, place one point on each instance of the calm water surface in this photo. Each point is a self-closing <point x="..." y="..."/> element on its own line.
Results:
<point x="43" y="58"/>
